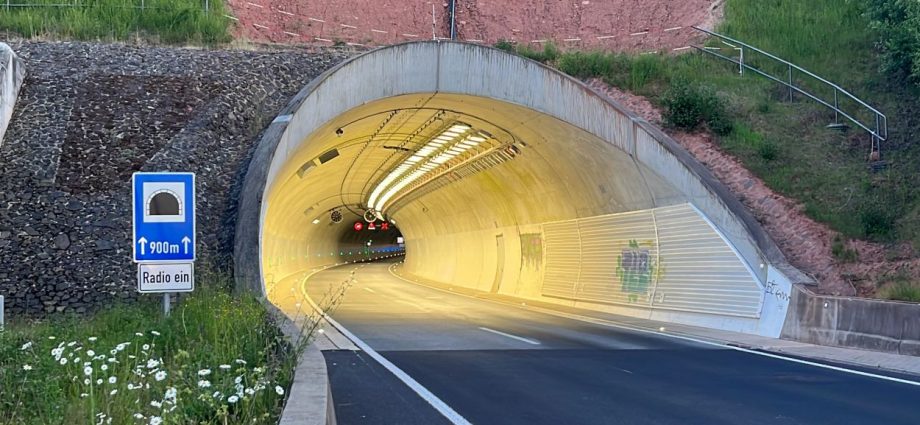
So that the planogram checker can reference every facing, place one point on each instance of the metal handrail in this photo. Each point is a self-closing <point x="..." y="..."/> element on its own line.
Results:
<point x="879" y="133"/>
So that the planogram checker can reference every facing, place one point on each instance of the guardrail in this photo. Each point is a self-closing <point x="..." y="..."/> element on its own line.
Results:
<point x="876" y="123"/>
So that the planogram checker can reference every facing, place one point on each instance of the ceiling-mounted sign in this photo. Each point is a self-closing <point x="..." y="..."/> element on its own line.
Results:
<point x="359" y="226"/>
<point x="384" y="226"/>
<point x="164" y="217"/>
<point x="371" y="226"/>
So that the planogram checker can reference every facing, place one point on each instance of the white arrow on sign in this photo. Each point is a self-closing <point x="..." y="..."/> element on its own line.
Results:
<point x="143" y="242"/>
<point x="185" y="241"/>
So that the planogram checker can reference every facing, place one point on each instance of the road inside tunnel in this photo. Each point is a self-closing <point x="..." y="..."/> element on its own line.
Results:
<point x="495" y="363"/>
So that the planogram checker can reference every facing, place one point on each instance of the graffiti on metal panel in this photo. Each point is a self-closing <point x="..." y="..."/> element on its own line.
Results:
<point x="635" y="268"/>
<point x="532" y="249"/>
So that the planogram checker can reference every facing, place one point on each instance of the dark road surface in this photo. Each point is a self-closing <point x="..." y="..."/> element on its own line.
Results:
<point x="497" y="364"/>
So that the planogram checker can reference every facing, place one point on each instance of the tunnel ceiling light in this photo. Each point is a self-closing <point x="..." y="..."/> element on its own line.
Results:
<point x="316" y="221"/>
<point x="399" y="177"/>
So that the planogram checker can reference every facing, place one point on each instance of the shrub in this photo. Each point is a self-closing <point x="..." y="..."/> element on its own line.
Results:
<point x="767" y="150"/>
<point x="505" y="45"/>
<point x="901" y="290"/>
<point x="877" y="220"/>
<point x="897" y="23"/>
<point x="841" y="252"/>
<point x="687" y="106"/>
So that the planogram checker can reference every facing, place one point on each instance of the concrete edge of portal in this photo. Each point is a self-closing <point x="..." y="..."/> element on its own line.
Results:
<point x="309" y="400"/>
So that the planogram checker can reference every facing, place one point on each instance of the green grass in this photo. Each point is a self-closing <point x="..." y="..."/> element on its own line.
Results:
<point x="900" y="289"/>
<point x="167" y="21"/>
<point x="786" y="144"/>
<point x="140" y="359"/>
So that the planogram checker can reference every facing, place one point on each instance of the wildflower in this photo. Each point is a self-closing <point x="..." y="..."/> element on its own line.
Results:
<point x="145" y="347"/>
<point x="279" y="390"/>
<point x="83" y="395"/>
<point x="156" y="404"/>
<point x="90" y="353"/>
<point x="204" y="372"/>
<point x="99" y="381"/>
<point x="257" y="369"/>
<point x="203" y="384"/>
<point x="156" y="420"/>
<point x="113" y="392"/>
<point x="240" y="361"/>
<point x="216" y="395"/>
<point x="26" y="367"/>
<point x="161" y="375"/>
<point x="26" y="346"/>
<point x="63" y="360"/>
<point x="170" y="394"/>
<point x="92" y="339"/>
<point x="132" y="356"/>
<point x="152" y="364"/>
<point x="113" y="351"/>
<point x="138" y="334"/>
<point x="224" y="366"/>
<point x="86" y="381"/>
<point x="56" y="352"/>
<point x="250" y="391"/>
<point x="113" y="379"/>
<point x="71" y="343"/>
<point x="87" y="370"/>
<point x="238" y="379"/>
<point x="52" y="338"/>
<point x="138" y="416"/>
<point x="155" y="333"/>
<point x="77" y="360"/>
<point x="104" y="367"/>
<point x="112" y="360"/>
<point x="121" y="347"/>
<point x="130" y="386"/>
<point x="232" y="399"/>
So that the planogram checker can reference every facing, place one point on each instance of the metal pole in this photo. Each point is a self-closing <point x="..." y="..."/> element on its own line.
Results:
<point x="434" y="34"/>
<point x="166" y="304"/>
<point x="790" y="83"/>
<point x="837" y="109"/>
<point x="741" y="62"/>
<point x="453" y="19"/>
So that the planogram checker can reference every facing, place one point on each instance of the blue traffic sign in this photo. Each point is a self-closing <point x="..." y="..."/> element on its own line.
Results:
<point x="164" y="217"/>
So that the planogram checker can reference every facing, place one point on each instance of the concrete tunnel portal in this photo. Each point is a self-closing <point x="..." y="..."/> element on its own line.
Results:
<point x="504" y="176"/>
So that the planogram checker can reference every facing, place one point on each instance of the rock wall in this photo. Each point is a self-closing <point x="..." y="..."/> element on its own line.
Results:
<point x="12" y="72"/>
<point x="90" y="115"/>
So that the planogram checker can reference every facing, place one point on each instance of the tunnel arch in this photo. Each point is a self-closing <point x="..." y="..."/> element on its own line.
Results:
<point x="588" y="204"/>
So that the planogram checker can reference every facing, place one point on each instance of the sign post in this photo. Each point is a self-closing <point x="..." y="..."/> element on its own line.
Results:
<point x="164" y="232"/>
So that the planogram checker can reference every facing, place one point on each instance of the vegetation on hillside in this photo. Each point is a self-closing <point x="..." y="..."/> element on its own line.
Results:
<point x="167" y="21"/>
<point x="787" y="143"/>
<point x="217" y="359"/>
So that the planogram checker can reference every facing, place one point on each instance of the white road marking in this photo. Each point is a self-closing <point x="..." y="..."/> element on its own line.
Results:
<point x="423" y="392"/>
<point x="507" y="335"/>
<point x="671" y="335"/>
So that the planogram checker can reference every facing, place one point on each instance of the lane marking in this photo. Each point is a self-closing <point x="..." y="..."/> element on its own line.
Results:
<point x="722" y="345"/>
<point x="423" y="392"/>
<point x="507" y="335"/>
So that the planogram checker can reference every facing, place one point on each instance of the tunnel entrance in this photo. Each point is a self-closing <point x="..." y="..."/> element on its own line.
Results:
<point x="504" y="177"/>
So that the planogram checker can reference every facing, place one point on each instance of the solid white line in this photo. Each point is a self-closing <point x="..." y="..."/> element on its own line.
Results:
<point x="423" y="392"/>
<point x="675" y="336"/>
<point x="507" y="335"/>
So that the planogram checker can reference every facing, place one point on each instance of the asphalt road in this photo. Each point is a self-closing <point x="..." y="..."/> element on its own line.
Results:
<point x="497" y="364"/>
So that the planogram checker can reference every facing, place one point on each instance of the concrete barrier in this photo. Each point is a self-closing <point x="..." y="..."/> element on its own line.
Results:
<point x="888" y="326"/>
<point x="12" y="72"/>
<point x="309" y="400"/>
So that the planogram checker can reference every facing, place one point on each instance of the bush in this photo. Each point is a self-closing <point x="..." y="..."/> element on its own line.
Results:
<point x="897" y="23"/>
<point x="841" y="252"/>
<point x="687" y="106"/>
<point x="505" y="45"/>
<point x="877" y="220"/>
<point x="901" y="290"/>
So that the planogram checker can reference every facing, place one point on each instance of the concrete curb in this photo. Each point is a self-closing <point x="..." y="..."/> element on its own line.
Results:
<point x="12" y="74"/>
<point x="310" y="388"/>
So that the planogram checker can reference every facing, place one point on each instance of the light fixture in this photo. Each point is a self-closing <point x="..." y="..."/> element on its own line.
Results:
<point x="316" y="221"/>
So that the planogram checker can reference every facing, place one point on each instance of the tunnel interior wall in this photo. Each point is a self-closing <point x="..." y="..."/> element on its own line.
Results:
<point x="494" y="232"/>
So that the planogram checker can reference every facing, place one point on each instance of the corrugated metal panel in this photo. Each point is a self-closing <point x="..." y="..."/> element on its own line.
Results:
<point x="619" y="258"/>
<point x="700" y="271"/>
<point x="562" y="258"/>
<point x="669" y="258"/>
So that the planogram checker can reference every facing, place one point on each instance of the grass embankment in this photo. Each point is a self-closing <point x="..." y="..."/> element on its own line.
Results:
<point x="167" y="21"/>
<point x="217" y="359"/>
<point x="786" y="144"/>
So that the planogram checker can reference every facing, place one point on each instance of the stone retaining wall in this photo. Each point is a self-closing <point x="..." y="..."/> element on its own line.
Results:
<point x="88" y="116"/>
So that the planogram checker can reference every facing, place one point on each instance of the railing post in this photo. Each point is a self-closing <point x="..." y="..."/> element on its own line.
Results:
<point x="790" y="82"/>
<point x="836" y="108"/>
<point x="741" y="61"/>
